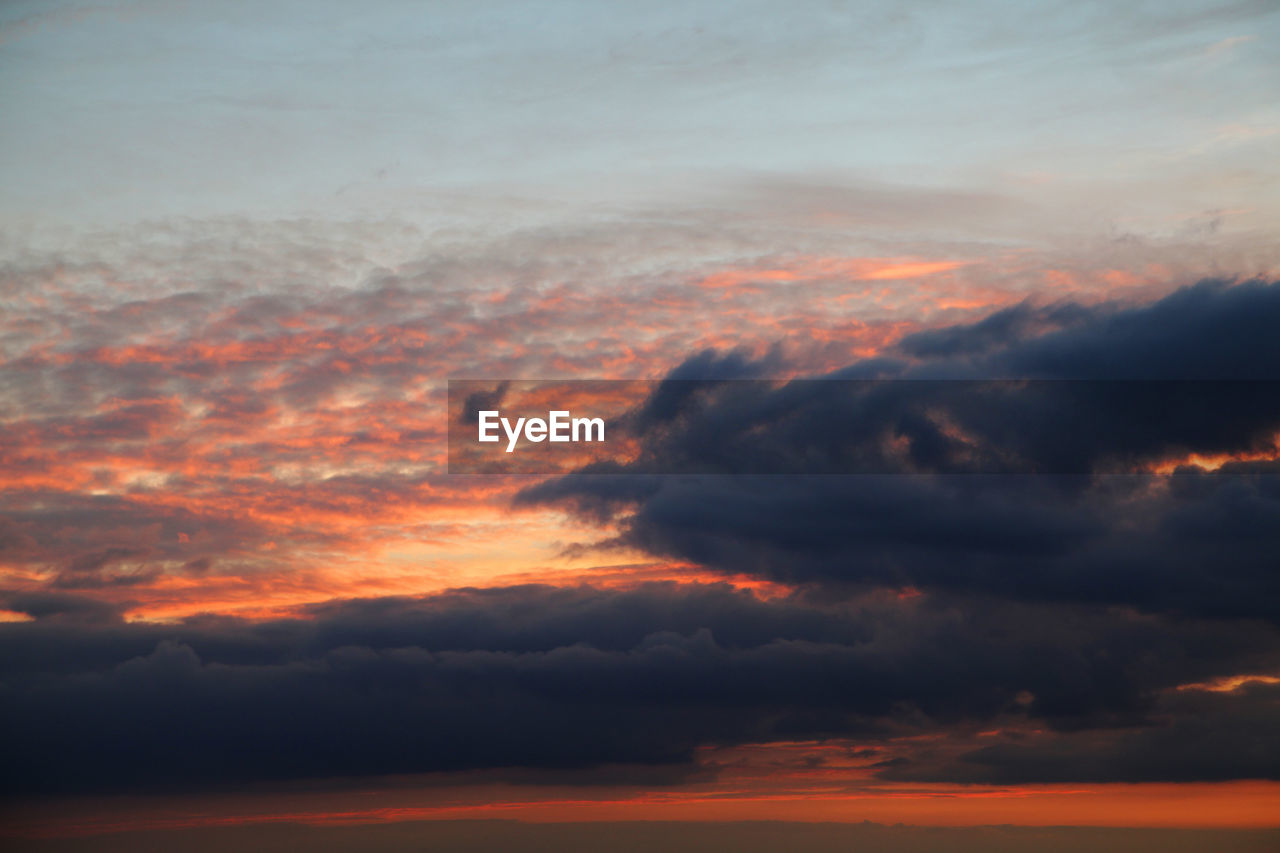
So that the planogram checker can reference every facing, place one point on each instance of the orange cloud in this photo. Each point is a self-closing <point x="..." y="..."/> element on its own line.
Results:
<point x="818" y="269"/>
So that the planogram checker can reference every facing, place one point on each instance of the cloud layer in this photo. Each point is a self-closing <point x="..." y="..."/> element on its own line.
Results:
<point x="555" y="678"/>
<point x="1195" y="543"/>
<point x="220" y="432"/>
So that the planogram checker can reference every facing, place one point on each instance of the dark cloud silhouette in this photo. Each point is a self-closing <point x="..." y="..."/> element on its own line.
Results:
<point x="60" y="606"/>
<point x="997" y="330"/>
<point x="553" y="678"/>
<point x="1113" y="389"/>
<point x="1198" y="729"/>
<point x="1210" y="331"/>
<point x="1196" y="543"/>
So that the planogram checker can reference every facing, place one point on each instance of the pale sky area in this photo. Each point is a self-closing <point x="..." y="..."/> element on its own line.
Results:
<point x="1159" y="117"/>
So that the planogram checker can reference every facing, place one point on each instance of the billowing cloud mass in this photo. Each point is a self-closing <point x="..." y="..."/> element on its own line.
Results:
<point x="559" y="678"/>
<point x="1094" y="627"/>
<point x="1194" y="543"/>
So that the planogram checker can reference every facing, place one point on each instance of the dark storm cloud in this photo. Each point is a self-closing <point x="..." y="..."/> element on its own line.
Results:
<point x="1197" y="543"/>
<point x="1193" y="543"/>
<point x="945" y="426"/>
<point x="1209" y="331"/>
<point x="541" y="677"/>
<point x="999" y="329"/>
<point x="1199" y="729"/>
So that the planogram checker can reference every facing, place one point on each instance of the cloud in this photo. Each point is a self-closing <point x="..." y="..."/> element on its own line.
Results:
<point x="1193" y="543"/>
<point x="1207" y="736"/>
<point x="60" y="607"/>
<point x="273" y="392"/>
<point x="554" y="678"/>
<point x="201" y="436"/>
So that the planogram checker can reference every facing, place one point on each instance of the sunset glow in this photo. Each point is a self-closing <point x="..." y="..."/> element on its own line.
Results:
<point x="936" y="349"/>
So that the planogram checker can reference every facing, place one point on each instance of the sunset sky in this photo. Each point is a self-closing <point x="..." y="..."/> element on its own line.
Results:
<point x="244" y="246"/>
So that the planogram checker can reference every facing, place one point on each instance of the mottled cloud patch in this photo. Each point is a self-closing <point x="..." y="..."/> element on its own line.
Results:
<point x="265" y="405"/>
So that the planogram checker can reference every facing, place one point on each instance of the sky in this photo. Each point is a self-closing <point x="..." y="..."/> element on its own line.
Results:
<point x="244" y="247"/>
